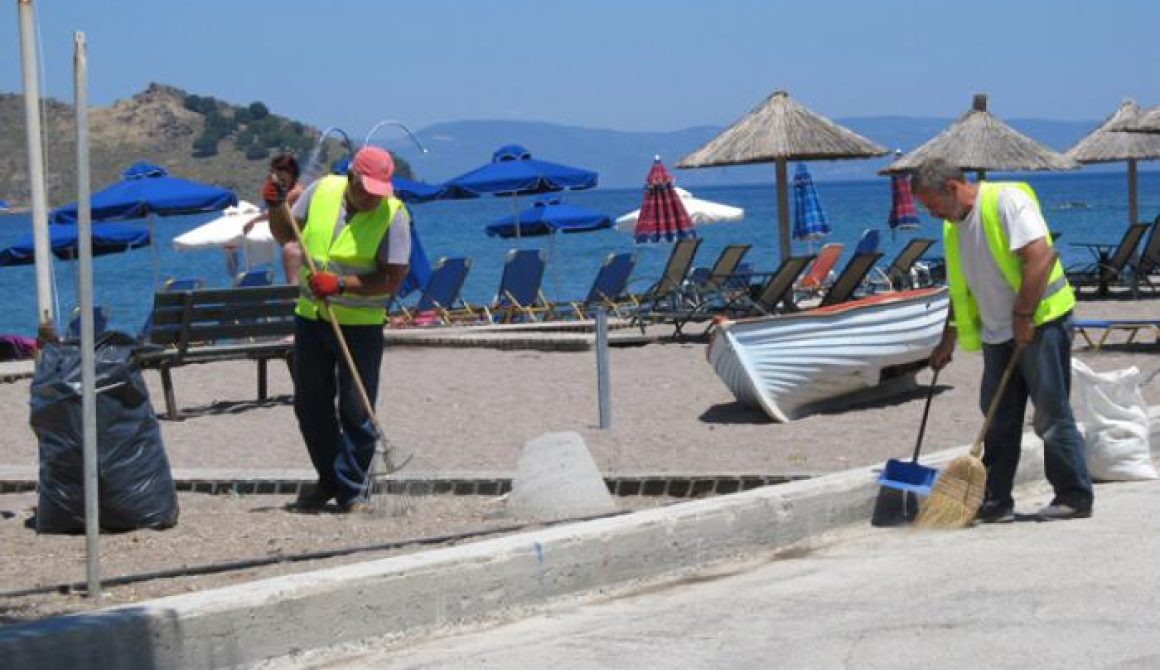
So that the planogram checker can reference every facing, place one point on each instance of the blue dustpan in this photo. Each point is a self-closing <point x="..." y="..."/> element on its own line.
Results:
<point x="902" y="483"/>
<point x="908" y="476"/>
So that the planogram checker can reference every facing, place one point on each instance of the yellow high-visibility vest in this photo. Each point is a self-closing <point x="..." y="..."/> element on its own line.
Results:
<point x="1058" y="298"/>
<point x="353" y="251"/>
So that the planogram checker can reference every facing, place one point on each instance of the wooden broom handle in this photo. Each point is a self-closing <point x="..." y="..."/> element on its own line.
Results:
<point x="977" y="447"/>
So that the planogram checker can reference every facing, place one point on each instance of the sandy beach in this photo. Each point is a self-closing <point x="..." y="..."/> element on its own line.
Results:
<point x="472" y="410"/>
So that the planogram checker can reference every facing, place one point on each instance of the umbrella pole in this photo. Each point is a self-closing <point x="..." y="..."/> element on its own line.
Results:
<point x="516" y="204"/>
<point x="1133" y="194"/>
<point x="783" y="208"/>
<point x="153" y="246"/>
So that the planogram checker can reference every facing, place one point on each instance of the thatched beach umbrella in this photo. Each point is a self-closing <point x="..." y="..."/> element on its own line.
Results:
<point x="980" y="142"/>
<point x="1147" y="121"/>
<point x="1104" y="145"/>
<point x="778" y="131"/>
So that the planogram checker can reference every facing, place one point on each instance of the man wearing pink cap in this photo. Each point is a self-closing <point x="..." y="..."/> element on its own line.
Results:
<point x="359" y="237"/>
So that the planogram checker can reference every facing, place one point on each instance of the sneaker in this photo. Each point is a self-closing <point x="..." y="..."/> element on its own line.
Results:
<point x="1058" y="511"/>
<point x="996" y="512"/>
<point x="312" y="498"/>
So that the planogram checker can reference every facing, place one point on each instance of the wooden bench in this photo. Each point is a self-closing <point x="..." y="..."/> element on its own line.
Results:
<point x="208" y="325"/>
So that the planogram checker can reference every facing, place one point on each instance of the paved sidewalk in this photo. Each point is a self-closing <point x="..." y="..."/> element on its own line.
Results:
<point x="1027" y="595"/>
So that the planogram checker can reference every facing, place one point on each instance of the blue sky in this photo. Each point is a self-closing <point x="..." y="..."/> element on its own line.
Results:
<point x="606" y="63"/>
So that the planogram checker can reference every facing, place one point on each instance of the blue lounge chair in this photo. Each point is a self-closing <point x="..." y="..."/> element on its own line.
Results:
<point x="608" y="288"/>
<point x="100" y="322"/>
<point x="256" y="277"/>
<point x="441" y="294"/>
<point x="518" y="295"/>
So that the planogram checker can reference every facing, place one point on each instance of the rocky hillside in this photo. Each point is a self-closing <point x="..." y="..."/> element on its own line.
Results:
<point x="194" y="137"/>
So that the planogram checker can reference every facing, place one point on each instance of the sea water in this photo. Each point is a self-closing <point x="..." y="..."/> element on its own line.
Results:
<point x="1083" y="207"/>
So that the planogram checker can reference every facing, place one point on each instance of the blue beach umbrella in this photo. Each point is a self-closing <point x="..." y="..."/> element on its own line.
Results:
<point x="108" y="238"/>
<point x="4" y="206"/>
<point x="547" y="216"/>
<point x="513" y="172"/>
<point x="147" y="189"/>
<point x="809" y="219"/>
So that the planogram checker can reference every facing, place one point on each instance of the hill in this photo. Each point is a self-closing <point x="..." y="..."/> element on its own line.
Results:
<point x="194" y="137"/>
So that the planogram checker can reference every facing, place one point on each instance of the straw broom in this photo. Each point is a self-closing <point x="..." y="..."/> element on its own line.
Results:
<point x="957" y="495"/>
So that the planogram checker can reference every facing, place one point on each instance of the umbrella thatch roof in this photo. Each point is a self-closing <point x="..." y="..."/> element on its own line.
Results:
<point x="777" y="130"/>
<point x="1146" y="121"/>
<point x="980" y="141"/>
<point x="1105" y="145"/>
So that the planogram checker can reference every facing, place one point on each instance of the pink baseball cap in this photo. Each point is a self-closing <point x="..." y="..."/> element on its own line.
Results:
<point x="374" y="166"/>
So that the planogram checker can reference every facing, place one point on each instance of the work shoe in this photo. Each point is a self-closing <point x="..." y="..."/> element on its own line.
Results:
<point x="1058" y="511"/>
<point x="312" y="498"/>
<point x="355" y="506"/>
<point x="996" y="512"/>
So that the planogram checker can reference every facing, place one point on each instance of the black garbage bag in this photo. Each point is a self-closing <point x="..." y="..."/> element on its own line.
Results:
<point x="135" y="486"/>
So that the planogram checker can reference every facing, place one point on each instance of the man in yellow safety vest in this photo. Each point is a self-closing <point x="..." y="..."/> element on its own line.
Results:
<point x="1008" y="293"/>
<point x="358" y="236"/>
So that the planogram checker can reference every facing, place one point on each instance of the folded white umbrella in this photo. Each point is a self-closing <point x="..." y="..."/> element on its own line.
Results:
<point x="226" y="231"/>
<point x="700" y="211"/>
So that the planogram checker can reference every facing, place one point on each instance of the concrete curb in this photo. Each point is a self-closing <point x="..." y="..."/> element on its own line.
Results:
<point x="246" y="623"/>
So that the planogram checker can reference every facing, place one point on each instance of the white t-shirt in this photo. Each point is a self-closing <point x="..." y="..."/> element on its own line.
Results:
<point x="1023" y="224"/>
<point x="396" y="245"/>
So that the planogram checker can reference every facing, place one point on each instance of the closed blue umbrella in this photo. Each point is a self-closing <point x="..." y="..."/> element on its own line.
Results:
<point x="809" y="219"/>
<point x="108" y="238"/>
<point x="548" y="216"/>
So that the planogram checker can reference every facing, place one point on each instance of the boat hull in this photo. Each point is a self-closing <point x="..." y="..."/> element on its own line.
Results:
<point x="789" y="364"/>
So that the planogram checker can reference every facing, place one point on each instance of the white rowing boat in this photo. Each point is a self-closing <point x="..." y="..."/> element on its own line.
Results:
<point x="790" y="364"/>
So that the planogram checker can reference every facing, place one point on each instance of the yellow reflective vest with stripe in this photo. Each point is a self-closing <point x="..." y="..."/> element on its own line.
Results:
<point x="352" y="251"/>
<point x="1058" y="297"/>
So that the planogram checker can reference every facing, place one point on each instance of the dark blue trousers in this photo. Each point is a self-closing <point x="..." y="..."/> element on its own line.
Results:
<point x="338" y="432"/>
<point x="1044" y="377"/>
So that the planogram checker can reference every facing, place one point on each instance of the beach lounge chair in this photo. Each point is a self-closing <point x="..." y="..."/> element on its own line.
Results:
<point x="850" y="279"/>
<point x="868" y="243"/>
<point x="1149" y="263"/>
<point x="897" y="275"/>
<point x="1131" y="326"/>
<point x="763" y="300"/>
<point x="817" y="277"/>
<point x="668" y="293"/>
<point x="518" y="295"/>
<point x="1110" y="266"/>
<point x="718" y="281"/>
<point x="100" y="322"/>
<point x="608" y="289"/>
<point x="256" y="277"/>
<point x="440" y="297"/>
<point x="183" y="284"/>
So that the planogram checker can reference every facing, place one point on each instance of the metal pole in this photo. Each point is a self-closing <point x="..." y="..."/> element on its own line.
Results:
<point x="88" y="362"/>
<point x="46" y="329"/>
<point x="602" y="368"/>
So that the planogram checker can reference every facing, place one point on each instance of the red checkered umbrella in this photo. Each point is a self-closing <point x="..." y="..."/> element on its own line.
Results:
<point x="662" y="216"/>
